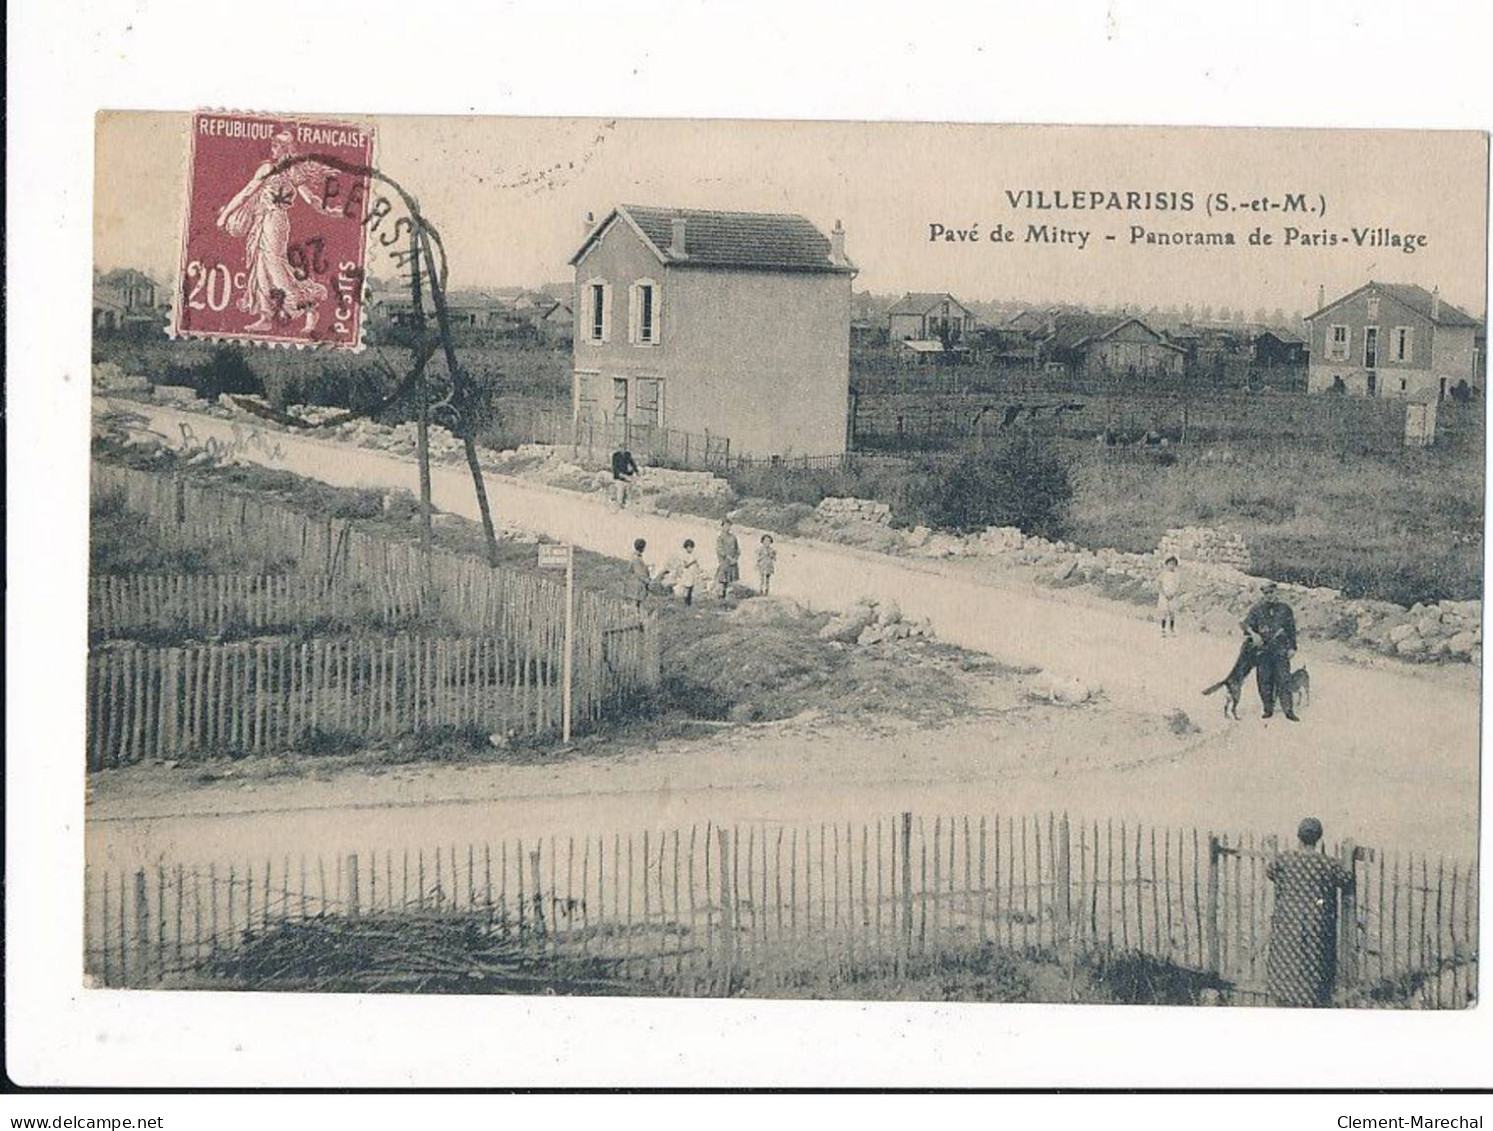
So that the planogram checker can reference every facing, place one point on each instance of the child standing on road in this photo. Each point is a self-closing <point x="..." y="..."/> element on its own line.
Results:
<point x="767" y="561"/>
<point x="1168" y="588"/>
<point x="683" y="572"/>
<point x="727" y="560"/>
<point x="638" y="575"/>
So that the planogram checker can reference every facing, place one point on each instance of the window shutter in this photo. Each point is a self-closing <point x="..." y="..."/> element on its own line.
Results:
<point x="606" y="312"/>
<point x="632" y="314"/>
<point x="658" y="332"/>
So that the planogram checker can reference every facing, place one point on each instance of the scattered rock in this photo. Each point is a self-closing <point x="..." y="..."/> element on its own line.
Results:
<point x="767" y="610"/>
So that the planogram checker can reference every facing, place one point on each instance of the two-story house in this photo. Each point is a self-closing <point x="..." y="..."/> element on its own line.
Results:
<point x="922" y="317"/>
<point x="1393" y="340"/>
<point x="722" y="324"/>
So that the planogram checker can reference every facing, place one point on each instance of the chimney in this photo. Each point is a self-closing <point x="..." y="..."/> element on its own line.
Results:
<point x="1321" y="296"/>
<point x="837" y="244"/>
<point x="589" y="224"/>
<point x="676" y="238"/>
<point x="1435" y="304"/>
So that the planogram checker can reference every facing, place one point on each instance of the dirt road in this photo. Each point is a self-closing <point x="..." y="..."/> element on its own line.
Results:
<point x="1387" y="753"/>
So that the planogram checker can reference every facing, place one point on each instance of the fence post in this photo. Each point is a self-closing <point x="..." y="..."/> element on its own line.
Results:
<point x="537" y="882"/>
<point x="1348" y="919"/>
<point x="142" y="927"/>
<point x="352" y="885"/>
<point x="728" y="909"/>
<point x="1214" y="852"/>
<point x="1064" y="889"/>
<point x="906" y="938"/>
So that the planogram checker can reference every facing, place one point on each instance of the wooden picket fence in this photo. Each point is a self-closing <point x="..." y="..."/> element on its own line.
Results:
<point x="758" y="908"/>
<point x="210" y="604"/>
<point x="495" y="636"/>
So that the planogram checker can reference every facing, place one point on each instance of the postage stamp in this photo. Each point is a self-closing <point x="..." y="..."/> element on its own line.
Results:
<point x="273" y="241"/>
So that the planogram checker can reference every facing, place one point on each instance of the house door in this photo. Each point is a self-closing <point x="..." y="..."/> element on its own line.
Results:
<point x="619" y="403"/>
<point x="1371" y="348"/>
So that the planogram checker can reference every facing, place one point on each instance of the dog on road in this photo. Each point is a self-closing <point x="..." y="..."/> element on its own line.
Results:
<point x="1233" y="683"/>
<point x="1301" y="687"/>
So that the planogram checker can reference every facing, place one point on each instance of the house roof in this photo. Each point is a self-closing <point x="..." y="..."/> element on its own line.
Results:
<point x="754" y="241"/>
<point x="1417" y="298"/>
<point x="123" y="277"/>
<point x="921" y="302"/>
<point x="1280" y="333"/>
<point x="1074" y="331"/>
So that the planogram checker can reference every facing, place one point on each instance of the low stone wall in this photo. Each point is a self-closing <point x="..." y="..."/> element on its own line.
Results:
<point x="1205" y="544"/>
<point x="835" y="510"/>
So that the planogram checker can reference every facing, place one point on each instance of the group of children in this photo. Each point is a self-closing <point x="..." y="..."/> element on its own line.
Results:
<point x="682" y="572"/>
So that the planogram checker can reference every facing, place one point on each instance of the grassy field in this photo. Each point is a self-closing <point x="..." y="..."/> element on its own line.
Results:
<point x="1404" y="528"/>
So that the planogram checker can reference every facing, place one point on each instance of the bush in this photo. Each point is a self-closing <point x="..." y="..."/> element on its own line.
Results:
<point x="1018" y="482"/>
<point x="226" y="370"/>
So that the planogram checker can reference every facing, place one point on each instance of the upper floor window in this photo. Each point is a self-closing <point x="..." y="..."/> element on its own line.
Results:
<point x="1404" y="343"/>
<point x="1373" y="307"/>
<point x="597" y="307"/>
<point x="643" y="319"/>
<point x="1337" y="343"/>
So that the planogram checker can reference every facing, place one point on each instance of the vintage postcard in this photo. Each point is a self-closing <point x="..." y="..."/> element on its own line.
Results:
<point x="791" y="560"/>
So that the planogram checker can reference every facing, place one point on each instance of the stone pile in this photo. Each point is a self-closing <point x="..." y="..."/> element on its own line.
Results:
<point x="837" y="511"/>
<point x="1205" y="544"/>
<point x="870" y="622"/>
<point x="1216" y="594"/>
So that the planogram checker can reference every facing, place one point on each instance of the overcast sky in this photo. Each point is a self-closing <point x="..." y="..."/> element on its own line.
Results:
<point x="509" y="197"/>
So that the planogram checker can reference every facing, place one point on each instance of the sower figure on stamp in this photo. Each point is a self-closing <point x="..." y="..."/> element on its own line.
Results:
<point x="259" y="214"/>
<point x="1271" y="627"/>
<point x="1301" y="969"/>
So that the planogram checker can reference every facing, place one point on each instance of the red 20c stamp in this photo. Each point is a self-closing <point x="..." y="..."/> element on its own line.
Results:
<point x="273" y="243"/>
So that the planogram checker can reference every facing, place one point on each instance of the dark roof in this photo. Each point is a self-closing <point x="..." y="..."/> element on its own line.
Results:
<point x="1073" y="331"/>
<point x="1280" y="333"/>
<point x="921" y="302"/>
<point x="1417" y="298"/>
<point x="756" y="241"/>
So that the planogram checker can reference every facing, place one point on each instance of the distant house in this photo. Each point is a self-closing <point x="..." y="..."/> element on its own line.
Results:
<point x="1394" y="339"/>
<point x="922" y="317"/>
<point x="727" y="324"/>
<point x="1033" y="323"/>
<point x="1276" y="347"/>
<point x="556" y="322"/>
<point x="125" y="297"/>
<point x="1097" y="345"/>
<point x="466" y="310"/>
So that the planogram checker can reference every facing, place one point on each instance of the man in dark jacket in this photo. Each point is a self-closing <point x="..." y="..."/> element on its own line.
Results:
<point x="624" y="471"/>
<point x="1271" y="627"/>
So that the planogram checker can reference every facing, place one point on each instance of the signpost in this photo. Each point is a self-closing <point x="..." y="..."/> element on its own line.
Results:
<point x="563" y="557"/>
